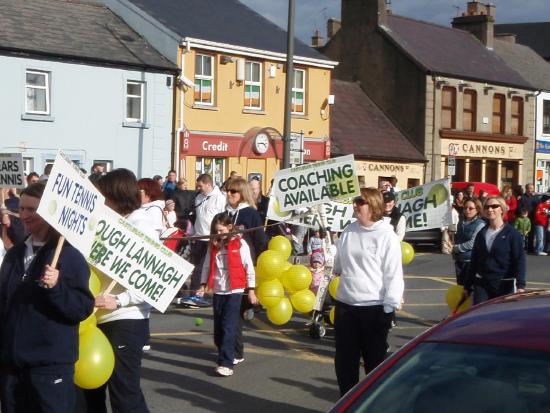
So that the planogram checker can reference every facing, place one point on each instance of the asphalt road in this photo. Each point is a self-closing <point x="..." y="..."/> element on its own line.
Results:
<point x="285" y="370"/>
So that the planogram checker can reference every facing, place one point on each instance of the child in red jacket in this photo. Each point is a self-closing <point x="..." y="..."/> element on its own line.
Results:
<point x="227" y="271"/>
<point x="541" y="222"/>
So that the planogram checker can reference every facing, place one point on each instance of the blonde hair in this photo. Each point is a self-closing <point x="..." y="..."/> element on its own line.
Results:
<point x="500" y="200"/>
<point x="373" y="197"/>
<point x="241" y="186"/>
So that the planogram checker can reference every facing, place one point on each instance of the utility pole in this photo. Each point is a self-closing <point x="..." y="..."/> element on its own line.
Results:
<point x="289" y="84"/>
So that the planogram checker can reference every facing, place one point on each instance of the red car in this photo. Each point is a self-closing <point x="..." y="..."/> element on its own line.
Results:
<point x="492" y="358"/>
<point x="491" y="189"/>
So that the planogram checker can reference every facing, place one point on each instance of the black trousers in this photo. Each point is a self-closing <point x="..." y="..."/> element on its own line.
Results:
<point x="198" y="255"/>
<point x="38" y="391"/>
<point x="461" y="271"/>
<point x="359" y="331"/>
<point x="127" y="338"/>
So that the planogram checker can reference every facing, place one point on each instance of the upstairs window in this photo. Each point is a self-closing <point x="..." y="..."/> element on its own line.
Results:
<point x="499" y="113"/>
<point x="469" y="115"/>
<point x="546" y="117"/>
<point x="253" y="85"/>
<point x="204" y="79"/>
<point x="134" y="101"/>
<point x="517" y="116"/>
<point x="448" y="108"/>
<point x="299" y="92"/>
<point x="37" y="92"/>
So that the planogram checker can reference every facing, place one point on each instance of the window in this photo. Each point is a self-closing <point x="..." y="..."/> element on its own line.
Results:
<point x="134" y="101"/>
<point x="499" y="111"/>
<point x="299" y="92"/>
<point x="517" y="116"/>
<point x="215" y="167"/>
<point x="37" y="90"/>
<point x="546" y="116"/>
<point x="448" y="108"/>
<point x="469" y="116"/>
<point x="204" y="79"/>
<point x="253" y="85"/>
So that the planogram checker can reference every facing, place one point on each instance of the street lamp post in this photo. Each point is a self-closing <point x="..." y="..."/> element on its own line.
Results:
<point x="289" y="84"/>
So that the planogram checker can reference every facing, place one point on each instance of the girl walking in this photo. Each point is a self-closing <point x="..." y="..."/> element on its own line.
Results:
<point x="227" y="271"/>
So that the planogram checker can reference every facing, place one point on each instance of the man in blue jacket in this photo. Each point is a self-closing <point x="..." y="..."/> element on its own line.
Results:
<point x="40" y="309"/>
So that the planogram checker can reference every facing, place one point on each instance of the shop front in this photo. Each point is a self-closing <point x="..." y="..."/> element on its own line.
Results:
<point x="257" y="153"/>
<point x="542" y="172"/>
<point x="371" y="173"/>
<point x="499" y="163"/>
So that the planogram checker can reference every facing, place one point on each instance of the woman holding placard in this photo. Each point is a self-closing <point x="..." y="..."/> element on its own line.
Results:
<point x="122" y="315"/>
<point x="40" y="310"/>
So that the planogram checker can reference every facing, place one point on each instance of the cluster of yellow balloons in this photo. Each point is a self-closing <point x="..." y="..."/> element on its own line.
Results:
<point x="96" y="359"/>
<point x="407" y="252"/>
<point x="281" y="286"/>
<point x="455" y="300"/>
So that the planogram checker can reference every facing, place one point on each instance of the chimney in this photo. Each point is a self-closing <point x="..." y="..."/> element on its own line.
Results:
<point x="506" y="37"/>
<point x="316" y="39"/>
<point x="479" y="19"/>
<point x="363" y="15"/>
<point x="333" y="25"/>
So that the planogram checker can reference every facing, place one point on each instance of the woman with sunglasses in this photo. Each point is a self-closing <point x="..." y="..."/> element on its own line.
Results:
<point x="468" y="227"/>
<point x="368" y="260"/>
<point x="497" y="263"/>
<point x="244" y="215"/>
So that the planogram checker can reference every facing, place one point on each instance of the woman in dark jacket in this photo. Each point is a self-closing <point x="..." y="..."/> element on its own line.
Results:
<point x="40" y="309"/>
<point x="467" y="229"/>
<point x="497" y="264"/>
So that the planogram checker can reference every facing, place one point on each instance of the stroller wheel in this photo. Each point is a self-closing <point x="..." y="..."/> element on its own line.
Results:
<point x="317" y="330"/>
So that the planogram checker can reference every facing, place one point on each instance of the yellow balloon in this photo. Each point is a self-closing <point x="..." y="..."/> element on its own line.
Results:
<point x="333" y="286"/>
<point x="281" y="313"/>
<point x="270" y="293"/>
<point x="331" y="315"/>
<point x="454" y="298"/>
<point x="95" y="282"/>
<point x="86" y="324"/>
<point x="280" y="244"/>
<point x="286" y="266"/>
<point x="303" y="301"/>
<point x="296" y="278"/>
<point x="277" y="209"/>
<point x="407" y="252"/>
<point x="270" y="264"/>
<point x="96" y="360"/>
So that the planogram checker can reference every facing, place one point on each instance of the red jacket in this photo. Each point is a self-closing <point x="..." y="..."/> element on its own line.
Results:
<point x="512" y="204"/>
<point x="235" y="267"/>
<point x="541" y="214"/>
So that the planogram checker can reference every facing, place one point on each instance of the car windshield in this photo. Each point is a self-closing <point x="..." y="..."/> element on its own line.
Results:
<point x="449" y="378"/>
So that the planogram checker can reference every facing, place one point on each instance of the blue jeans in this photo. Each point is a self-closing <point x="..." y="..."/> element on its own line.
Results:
<point x="226" y="319"/>
<point x="539" y="238"/>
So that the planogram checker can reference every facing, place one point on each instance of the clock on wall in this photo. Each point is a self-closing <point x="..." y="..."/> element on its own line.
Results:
<point x="261" y="143"/>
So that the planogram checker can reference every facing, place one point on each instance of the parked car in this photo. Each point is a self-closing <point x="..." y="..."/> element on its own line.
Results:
<point x="491" y="189"/>
<point x="495" y="357"/>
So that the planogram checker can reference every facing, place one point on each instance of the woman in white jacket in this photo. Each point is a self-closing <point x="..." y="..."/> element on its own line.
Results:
<point x="371" y="286"/>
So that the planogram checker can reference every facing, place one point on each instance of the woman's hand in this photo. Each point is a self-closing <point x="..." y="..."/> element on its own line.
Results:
<point x="106" y="302"/>
<point x="50" y="277"/>
<point x="252" y="297"/>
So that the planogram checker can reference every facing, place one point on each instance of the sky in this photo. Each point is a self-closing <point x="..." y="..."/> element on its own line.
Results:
<point x="312" y="14"/>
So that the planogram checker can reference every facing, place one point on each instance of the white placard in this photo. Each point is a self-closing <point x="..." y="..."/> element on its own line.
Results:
<point x="315" y="183"/>
<point x="12" y="174"/>
<point x="426" y="206"/>
<point x="136" y="261"/>
<point x="71" y="204"/>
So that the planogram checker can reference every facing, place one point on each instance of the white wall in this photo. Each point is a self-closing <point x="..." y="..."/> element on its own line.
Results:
<point x="88" y="107"/>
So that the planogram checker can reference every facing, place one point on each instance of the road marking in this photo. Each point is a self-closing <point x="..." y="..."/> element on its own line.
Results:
<point x="424" y="289"/>
<point x="185" y="333"/>
<point x="426" y="305"/>
<point x="441" y="279"/>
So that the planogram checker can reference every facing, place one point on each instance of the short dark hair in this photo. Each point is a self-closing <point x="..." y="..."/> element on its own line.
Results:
<point x="172" y="171"/>
<point x="120" y="188"/>
<point x="151" y="188"/>
<point x="205" y="179"/>
<point x="35" y="190"/>
<point x="32" y="175"/>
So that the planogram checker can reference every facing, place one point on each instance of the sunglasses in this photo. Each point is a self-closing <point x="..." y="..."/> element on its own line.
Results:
<point x="359" y="202"/>
<point x="492" y="206"/>
<point x="232" y="191"/>
<point x="470" y="209"/>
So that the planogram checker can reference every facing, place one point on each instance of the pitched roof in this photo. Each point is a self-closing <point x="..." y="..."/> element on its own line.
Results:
<point x="524" y="60"/>
<point x="223" y="21"/>
<point x="74" y="30"/>
<point x="358" y="126"/>
<point x="534" y="35"/>
<point x="451" y="52"/>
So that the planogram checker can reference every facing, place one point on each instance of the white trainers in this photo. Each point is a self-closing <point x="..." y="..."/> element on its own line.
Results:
<point x="146" y="347"/>
<point x="542" y="253"/>
<point x="224" y="371"/>
<point x="237" y="361"/>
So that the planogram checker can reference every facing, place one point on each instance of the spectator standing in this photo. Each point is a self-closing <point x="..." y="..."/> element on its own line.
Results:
<point x="47" y="171"/>
<point x="315" y="243"/>
<point x="228" y="271"/>
<point x="497" y="263"/>
<point x="541" y="223"/>
<point x="316" y="262"/>
<point x="32" y="178"/>
<point x="169" y="185"/>
<point x="170" y="212"/>
<point x="468" y="226"/>
<point x="40" y="309"/>
<point x="393" y="182"/>
<point x="392" y="215"/>
<point x="469" y="192"/>
<point x="152" y="205"/>
<point x="232" y="175"/>
<point x="511" y="203"/>
<point x="523" y="225"/>
<point x="97" y="172"/>
<point x="459" y="203"/>
<point x="13" y="231"/>
<point x="368" y="259"/>
<point x="261" y="201"/>
<point x="185" y="203"/>
<point x="529" y="202"/>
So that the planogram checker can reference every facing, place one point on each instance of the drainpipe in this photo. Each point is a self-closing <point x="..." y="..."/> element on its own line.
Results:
<point x="181" y="123"/>
<point x="536" y="94"/>
<point x="433" y="129"/>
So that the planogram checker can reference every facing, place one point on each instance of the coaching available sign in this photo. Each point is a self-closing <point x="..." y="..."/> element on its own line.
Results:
<point x="71" y="204"/>
<point x="315" y="183"/>
<point x="11" y="170"/>
<point x="136" y="261"/>
<point x="426" y="206"/>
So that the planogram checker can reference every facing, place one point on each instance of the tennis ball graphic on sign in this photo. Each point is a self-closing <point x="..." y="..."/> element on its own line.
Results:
<point x="52" y="207"/>
<point x="277" y="209"/>
<point x="438" y="193"/>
